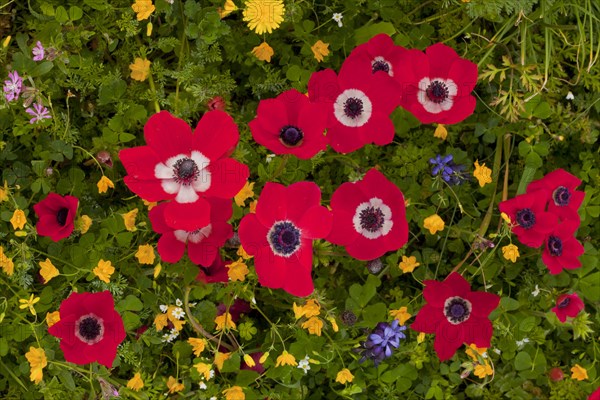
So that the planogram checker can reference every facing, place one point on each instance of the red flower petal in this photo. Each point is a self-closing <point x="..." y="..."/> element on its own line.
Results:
<point x="170" y="248"/>
<point x="253" y="234"/>
<point x="427" y="319"/>
<point x="448" y="339"/>
<point x="167" y="135"/>
<point x="316" y="222"/>
<point x="441" y="59"/>
<point x="483" y="303"/>
<point x="270" y="268"/>
<point x="342" y="229"/>
<point x="228" y="177"/>
<point x="464" y="74"/>
<point x="139" y="162"/>
<point x="299" y="197"/>
<point x="187" y="216"/>
<point x="216" y="135"/>
<point x="323" y="87"/>
<point x="271" y="206"/>
<point x="150" y="190"/>
<point x="436" y="293"/>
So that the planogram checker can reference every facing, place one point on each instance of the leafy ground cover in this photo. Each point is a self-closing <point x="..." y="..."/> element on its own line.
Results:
<point x="299" y="199"/>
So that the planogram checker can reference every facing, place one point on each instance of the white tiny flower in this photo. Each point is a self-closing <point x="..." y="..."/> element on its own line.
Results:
<point x="203" y="386"/>
<point x="337" y="17"/>
<point x="211" y="374"/>
<point x="192" y="304"/>
<point x="570" y="96"/>
<point x="163" y="308"/>
<point x="497" y="351"/>
<point x="178" y="313"/>
<point x="304" y="366"/>
<point x="525" y="340"/>
<point x="213" y="398"/>
<point x="270" y="157"/>
<point x="536" y="292"/>
<point x="178" y="303"/>
<point x="519" y="343"/>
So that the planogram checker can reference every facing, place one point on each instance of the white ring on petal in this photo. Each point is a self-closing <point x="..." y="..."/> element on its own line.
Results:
<point x="340" y="102"/>
<point x="199" y="235"/>
<point x="433" y="107"/>
<point x="186" y="194"/>
<point x="170" y="186"/>
<point x="202" y="183"/>
<point x="387" y="225"/>
<point x="383" y="60"/>
<point x="181" y="235"/>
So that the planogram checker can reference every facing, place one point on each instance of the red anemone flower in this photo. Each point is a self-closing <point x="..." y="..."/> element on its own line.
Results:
<point x="203" y="243"/>
<point x="89" y="328"/>
<point x="56" y="215"/>
<point x="358" y="106"/>
<point x="456" y="315"/>
<point x="532" y="223"/>
<point x="567" y="305"/>
<point x="595" y="395"/>
<point x="564" y="200"/>
<point x="280" y="234"/>
<point x="369" y="217"/>
<point x="290" y="124"/>
<point x="562" y="249"/>
<point x="378" y="54"/>
<point x="216" y="272"/>
<point x="184" y="166"/>
<point x="437" y="84"/>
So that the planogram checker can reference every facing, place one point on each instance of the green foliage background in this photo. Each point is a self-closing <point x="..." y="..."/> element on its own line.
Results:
<point x="530" y="53"/>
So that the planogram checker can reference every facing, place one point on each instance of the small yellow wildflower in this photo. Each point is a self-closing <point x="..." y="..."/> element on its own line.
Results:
<point x="140" y="69"/>
<point x="252" y="206"/>
<point x="104" y="183"/>
<point x="237" y="270"/>
<point x="149" y="27"/>
<point x="440" y="132"/>
<point x="579" y="373"/>
<point x="198" y="345"/>
<point x="434" y="224"/>
<point x="408" y="264"/>
<point x="6" y="263"/>
<point x="310" y="309"/>
<point x="421" y="337"/>
<point x="474" y="352"/>
<point x="263" y="52"/>
<point x="505" y="217"/>
<point x="227" y="8"/>
<point x="263" y="15"/>
<point x="203" y="369"/>
<point x="245" y="193"/>
<point x="145" y="254"/>
<point x="28" y="303"/>
<point x="143" y="9"/>
<point x="6" y="41"/>
<point x="401" y="314"/>
<point x="52" y="318"/>
<point x="482" y="173"/>
<point x="220" y="358"/>
<point x="333" y="323"/>
<point x="83" y="223"/>
<point x="510" y="252"/>
<point x="163" y="319"/>
<point x="286" y="359"/>
<point x="313" y="325"/>
<point x="129" y="219"/>
<point x="249" y="360"/>
<point x="18" y="219"/>
<point x="136" y="383"/>
<point x="264" y="357"/>
<point x="224" y="321"/>
<point x="37" y="362"/>
<point x="104" y="270"/>
<point x="242" y="253"/>
<point x="234" y="393"/>
<point x="344" y="376"/>
<point x="483" y="370"/>
<point x="157" y="269"/>
<point x="320" y="50"/>
<point x="48" y="270"/>
<point x="150" y="204"/>
<point x="4" y="192"/>
<point x="174" y="385"/>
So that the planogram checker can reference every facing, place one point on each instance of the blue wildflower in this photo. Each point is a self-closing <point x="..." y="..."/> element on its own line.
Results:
<point x="381" y="341"/>
<point x="451" y="173"/>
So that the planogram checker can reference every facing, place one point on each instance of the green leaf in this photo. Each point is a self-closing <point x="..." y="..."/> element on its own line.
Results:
<point x="374" y="314"/>
<point x="245" y="377"/>
<point x="41" y="69"/>
<point x="130" y="303"/>
<point x="509" y="304"/>
<point x="362" y="35"/>
<point x="75" y="13"/>
<point x="523" y="361"/>
<point x="526" y="178"/>
<point x="96" y="4"/>
<point x="61" y="15"/>
<point x="590" y="287"/>
<point x="130" y="320"/>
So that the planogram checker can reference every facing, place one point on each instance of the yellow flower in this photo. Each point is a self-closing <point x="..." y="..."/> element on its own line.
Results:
<point x="18" y="219"/>
<point x="421" y="337"/>
<point x="140" y="69"/>
<point x="234" y="393"/>
<point x="320" y="50"/>
<point x="220" y="359"/>
<point x="440" y="132"/>
<point x="28" y="303"/>
<point x="408" y="264"/>
<point x="136" y="383"/>
<point x="263" y="15"/>
<point x="157" y="269"/>
<point x="6" y="41"/>
<point x="245" y="193"/>
<point x="401" y="315"/>
<point x="52" y="318"/>
<point x="579" y="373"/>
<point x="474" y="352"/>
<point x="227" y="9"/>
<point x="37" y="361"/>
<point x="6" y="263"/>
<point x="203" y="369"/>
<point x="83" y="223"/>
<point x="198" y="345"/>
<point x="249" y="360"/>
<point x="129" y="219"/>
<point x="483" y="370"/>
<point x="263" y="52"/>
<point x="149" y="204"/>
<point x="313" y="325"/>
<point x="237" y="271"/>
<point x="252" y="206"/>
<point x="104" y="183"/>
<point x="505" y="217"/>
<point x="104" y="270"/>
<point x="510" y="252"/>
<point x="434" y="223"/>
<point x="344" y="376"/>
<point x="333" y="323"/>
<point x="174" y="385"/>
<point x="161" y="321"/>
<point x="149" y="27"/>
<point x="286" y="359"/>
<point x="482" y="173"/>
<point x="145" y="254"/>
<point x="224" y="321"/>
<point x="143" y="9"/>
<point x="242" y="253"/>
<point x="4" y="192"/>
<point x="310" y="309"/>
<point x="48" y="270"/>
<point x="264" y="357"/>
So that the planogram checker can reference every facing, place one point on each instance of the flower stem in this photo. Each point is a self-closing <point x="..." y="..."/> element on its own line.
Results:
<point x="196" y="325"/>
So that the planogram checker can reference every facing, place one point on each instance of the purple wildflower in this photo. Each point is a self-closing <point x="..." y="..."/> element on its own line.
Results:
<point x="39" y="112"/>
<point x="12" y="87"/>
<point x="381" y="341"/>
<point x="38" y="51"/>
<point x="450" y="172"/>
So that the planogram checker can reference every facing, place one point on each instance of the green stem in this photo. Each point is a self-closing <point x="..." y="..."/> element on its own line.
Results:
<point x="196" y="325"/>
<point x="153" y="90"/>
<point x="496" y="174"/>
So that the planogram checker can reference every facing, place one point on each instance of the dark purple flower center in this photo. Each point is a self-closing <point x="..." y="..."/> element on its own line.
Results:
<point x="291" y="136"/>
<point x="525" y="218"/>
<point x="437" y="91"/>
<point x="186" y="171"/>
<point x="564" y="303"/>
<point x="457" y="310"/>
<point x="555" y="246"/>
<point x="371" y="219"/>
<point x="284" y="238"/>
<point x="61" y="216"/>
<point x="381" y="65"/>
<point x="89" y="329"/>
<point x="561" y="196"/>
<point x="353" y="107"/>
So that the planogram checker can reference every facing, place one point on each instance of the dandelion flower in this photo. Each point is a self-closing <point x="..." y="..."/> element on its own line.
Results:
<point x="264" y="15"/>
